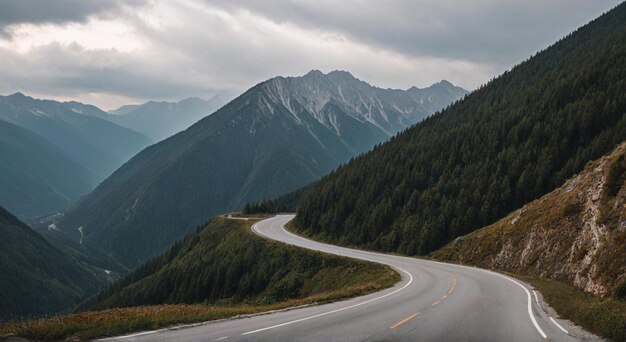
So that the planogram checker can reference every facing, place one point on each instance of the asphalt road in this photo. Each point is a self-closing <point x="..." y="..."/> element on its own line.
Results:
<point x="433" y="302"/>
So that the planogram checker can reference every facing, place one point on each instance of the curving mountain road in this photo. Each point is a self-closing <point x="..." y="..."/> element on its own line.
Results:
<point x="433" y="302"/>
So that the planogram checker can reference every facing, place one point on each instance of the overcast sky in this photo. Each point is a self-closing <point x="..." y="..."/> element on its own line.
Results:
<point x="113" y="52"/>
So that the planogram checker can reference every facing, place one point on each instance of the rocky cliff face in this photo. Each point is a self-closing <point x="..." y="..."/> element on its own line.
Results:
<point x="575" y="234"/>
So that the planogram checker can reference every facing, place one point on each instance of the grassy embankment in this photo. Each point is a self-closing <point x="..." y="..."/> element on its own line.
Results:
<point x="321" y="278"/>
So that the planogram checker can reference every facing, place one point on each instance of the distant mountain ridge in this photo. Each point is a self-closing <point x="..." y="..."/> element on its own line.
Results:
<point x="278" y="136"/>
<point x="123" y="110"/>
<point x="97" y="145"/>
<point x="161" y="119"/>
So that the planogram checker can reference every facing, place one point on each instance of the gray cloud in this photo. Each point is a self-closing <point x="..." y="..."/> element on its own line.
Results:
<point x="199" y="47"/>
<point x="61" y="70"/>
<point x="54" y="12"/>
<point x="482" y="31"/>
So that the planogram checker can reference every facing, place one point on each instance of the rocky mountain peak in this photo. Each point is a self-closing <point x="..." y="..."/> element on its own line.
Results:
<point x="325" y="96"/>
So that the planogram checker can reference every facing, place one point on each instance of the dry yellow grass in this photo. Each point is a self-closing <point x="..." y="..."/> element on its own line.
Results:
<point x="118" y="321"/>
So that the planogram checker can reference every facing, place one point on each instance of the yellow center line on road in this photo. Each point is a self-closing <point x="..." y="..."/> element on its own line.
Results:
<point x="404" y="320"/>
<point x="452" y="287"/>
<point x="453" y="284"/>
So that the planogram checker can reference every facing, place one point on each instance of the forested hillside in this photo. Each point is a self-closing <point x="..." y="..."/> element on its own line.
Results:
<point x="37" y="278"/>
<point x="225" y="263"/>
<point x="504" y="145"/>
<point x="286" y="203"/>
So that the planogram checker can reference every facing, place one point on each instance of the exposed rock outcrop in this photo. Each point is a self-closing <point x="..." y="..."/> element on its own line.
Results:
<point x="575" y="234"/>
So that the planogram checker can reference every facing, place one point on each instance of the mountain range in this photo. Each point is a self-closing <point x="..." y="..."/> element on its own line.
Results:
<point x="97" y="145"/>
<point x="527" y="174"/>
<point x="52" y="155"/>
<point x="278" y="136"/>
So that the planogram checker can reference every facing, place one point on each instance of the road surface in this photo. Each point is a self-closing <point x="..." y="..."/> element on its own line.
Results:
<point x="433" y="302"/>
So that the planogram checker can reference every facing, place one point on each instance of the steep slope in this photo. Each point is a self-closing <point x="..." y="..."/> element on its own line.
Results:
<point x="38" y="278"/>
<point x="226" y="263"/>
<point x="97" y="145"/>
<point x="159" y="120"/>
<point x="575" y="234"/>
<point x="36" y="178"/>
<point x="276" y="137"/>
<point x="507" y="143"/>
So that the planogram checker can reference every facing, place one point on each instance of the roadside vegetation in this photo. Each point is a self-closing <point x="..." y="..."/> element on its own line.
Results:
<point x="222" y="271"/>
<point x="605" y="316"/>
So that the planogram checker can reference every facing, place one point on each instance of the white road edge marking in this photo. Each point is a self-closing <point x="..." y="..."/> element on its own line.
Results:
<point x="131" y="335"/>
<point x="336" y="310"/>
<point x="558" y="325"/>
<point x="332" y="311"/>
<point x="530" y="310"/>
<point x="537" y="299"/>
